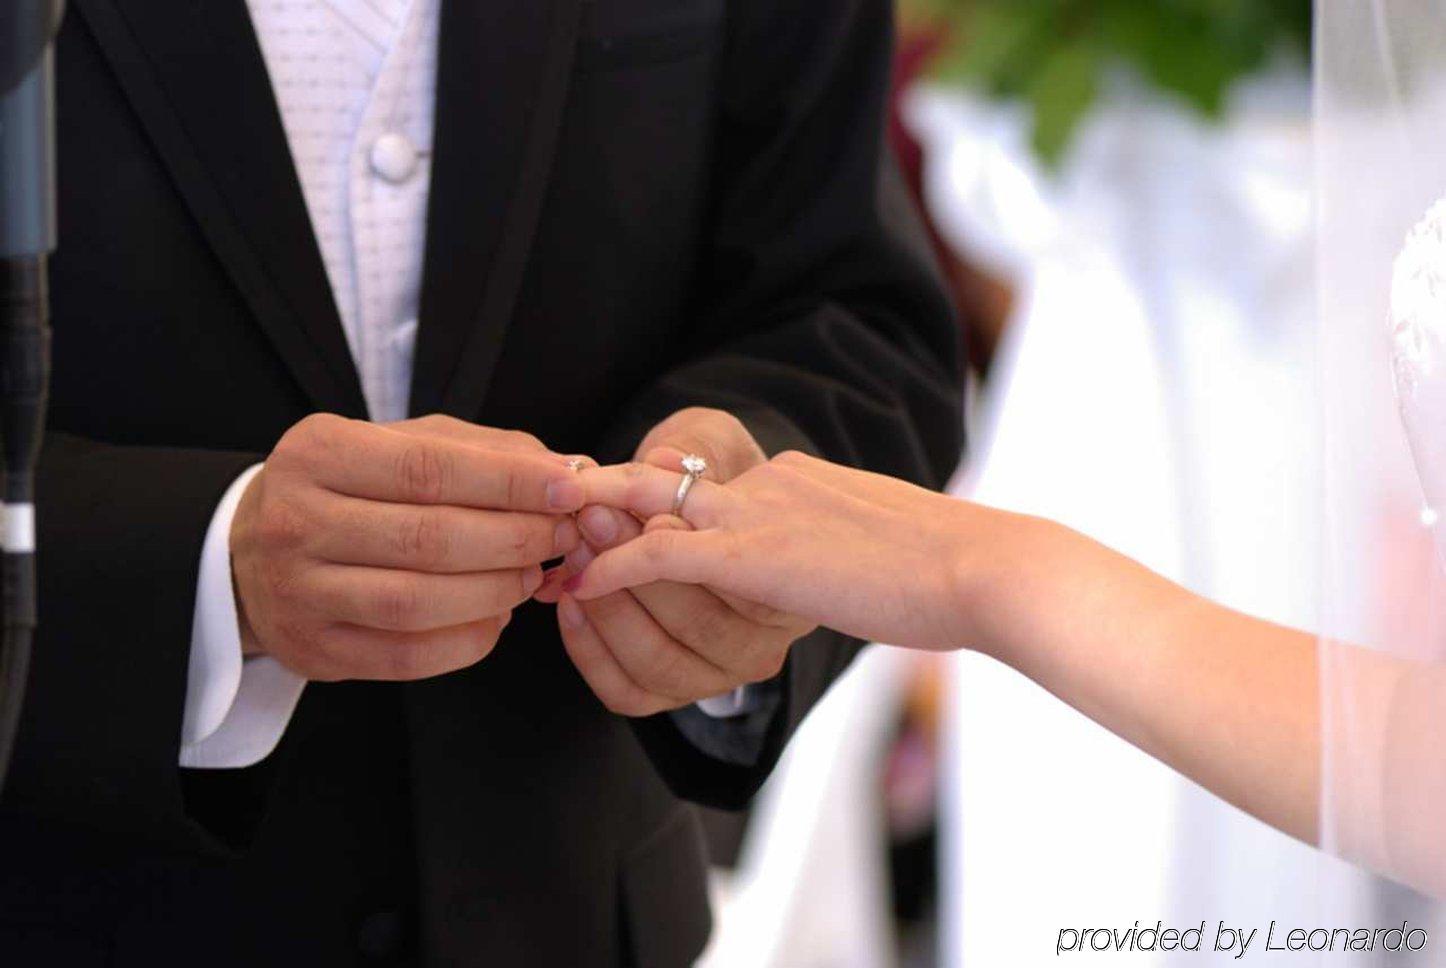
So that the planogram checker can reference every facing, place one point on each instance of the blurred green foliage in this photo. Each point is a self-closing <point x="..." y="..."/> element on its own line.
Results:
<point x="1054" y="54"/>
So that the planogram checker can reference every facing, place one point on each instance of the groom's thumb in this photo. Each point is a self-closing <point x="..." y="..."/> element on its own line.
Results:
<point x="667" y="522"/>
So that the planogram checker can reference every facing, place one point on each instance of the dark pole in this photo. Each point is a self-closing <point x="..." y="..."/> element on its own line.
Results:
<point x="27" y="237"/>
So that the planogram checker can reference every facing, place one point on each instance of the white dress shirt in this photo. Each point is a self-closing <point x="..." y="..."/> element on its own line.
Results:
<point x="355" y="83"/>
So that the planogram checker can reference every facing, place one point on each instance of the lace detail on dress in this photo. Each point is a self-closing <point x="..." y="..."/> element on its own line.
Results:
<point x="1418" y="357"/>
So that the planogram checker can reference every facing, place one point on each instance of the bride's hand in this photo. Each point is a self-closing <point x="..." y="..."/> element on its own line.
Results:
<point x="867" y="555"/>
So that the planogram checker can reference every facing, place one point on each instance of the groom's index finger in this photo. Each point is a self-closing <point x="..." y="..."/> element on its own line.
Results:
<point x="648" y="491"/>
<point x="386" y="465"/>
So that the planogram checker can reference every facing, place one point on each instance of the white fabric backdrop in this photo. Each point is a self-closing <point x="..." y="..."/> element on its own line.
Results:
<point x="1156" y="394"/>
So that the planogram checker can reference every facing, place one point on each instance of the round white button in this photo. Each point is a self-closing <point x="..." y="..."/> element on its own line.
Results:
<point x="394" y="157"/>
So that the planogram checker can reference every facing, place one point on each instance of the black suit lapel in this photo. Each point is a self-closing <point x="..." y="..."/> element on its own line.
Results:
<point x="196" y="77"/>
<point x="503" y="70"/>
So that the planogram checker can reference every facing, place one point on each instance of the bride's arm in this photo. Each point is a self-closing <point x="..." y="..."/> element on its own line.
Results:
<point x="1227" y="700"/>
<point x="1236" y="703"/>
<point x="1230" y="701"/>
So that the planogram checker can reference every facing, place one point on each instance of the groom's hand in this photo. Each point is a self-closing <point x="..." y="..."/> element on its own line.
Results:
<point x="715" y="435"/>
<point x="397" y="552"/>
<point x="666" y="645"/>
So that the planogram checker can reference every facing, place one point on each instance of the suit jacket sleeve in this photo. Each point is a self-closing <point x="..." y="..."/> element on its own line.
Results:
<point x="819" y="319"/>
<point x="120" y="531"/>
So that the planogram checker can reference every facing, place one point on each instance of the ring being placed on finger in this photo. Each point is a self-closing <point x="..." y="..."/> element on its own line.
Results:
<point x="694" y="467"/>
<point x="577" y="465"/>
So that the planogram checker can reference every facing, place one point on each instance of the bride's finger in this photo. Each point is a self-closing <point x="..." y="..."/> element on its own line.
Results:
<point x="665" y="554"/>
<point x="752" y="611"/>
<point x="647" y="491"/>
<point x="579" y="557"/>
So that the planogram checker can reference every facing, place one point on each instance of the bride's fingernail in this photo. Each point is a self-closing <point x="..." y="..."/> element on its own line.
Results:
<point x="570" y="613"/>
<point x="573" y="583"/>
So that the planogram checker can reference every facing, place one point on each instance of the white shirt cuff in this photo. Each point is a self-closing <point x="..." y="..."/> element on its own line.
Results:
<point x="739" y="702"/>
<point x="236" y="709"/>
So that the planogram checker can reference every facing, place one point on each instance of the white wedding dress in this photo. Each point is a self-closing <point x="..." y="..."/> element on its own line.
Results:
<point x="1418" y="359"/>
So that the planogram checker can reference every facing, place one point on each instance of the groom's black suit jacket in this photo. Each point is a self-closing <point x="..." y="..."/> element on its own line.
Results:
<point x="637" y="205"/>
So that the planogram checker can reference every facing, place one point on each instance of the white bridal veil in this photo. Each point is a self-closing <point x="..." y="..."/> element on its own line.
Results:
<point x="1381" y="168"/>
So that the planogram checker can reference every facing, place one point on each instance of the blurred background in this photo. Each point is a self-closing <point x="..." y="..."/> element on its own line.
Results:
<point x="1119" y="194"/>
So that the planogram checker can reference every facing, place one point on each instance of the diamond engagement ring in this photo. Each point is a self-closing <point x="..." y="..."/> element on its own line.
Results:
<point x="694" y="467"/>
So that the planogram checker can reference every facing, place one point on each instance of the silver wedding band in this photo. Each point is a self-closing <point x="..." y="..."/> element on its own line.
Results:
<point x="694" y="467"/>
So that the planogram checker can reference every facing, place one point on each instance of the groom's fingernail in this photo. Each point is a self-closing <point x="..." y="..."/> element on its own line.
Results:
<point x="532" y="579"/>
<point x="599" y="526"/>
<point x="571" y="614"/>
<point x="551" y="586"/>
<point x="564" y="494"/>
<point x="564" y="537"/>
<point x="579" y="558"/>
